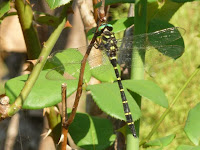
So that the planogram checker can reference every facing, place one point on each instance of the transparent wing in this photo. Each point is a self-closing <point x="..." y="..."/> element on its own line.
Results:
<point x="168" y="51"/>
<point x="67" y="63"/>
<point x="155" y="39"/>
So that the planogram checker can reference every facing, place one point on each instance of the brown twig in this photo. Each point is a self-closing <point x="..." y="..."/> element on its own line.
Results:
<point x="83" y="63"/>
<point x="95" y="10"/>
<point x="102" y="12"/>
<point x="64" y="115"/>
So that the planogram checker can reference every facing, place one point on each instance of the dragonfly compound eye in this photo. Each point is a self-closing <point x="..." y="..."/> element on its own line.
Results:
<point x="102" y="27"/>
<point x="109" y="27"/>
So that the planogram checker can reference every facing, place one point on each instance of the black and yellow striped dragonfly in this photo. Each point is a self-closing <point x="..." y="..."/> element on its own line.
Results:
<point x="113" y="52"/>
<point x="109" y="42"/>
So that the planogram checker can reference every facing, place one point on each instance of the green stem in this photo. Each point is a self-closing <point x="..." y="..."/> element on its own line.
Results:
<point x="25" y="15"/>
<point x="154" y="129"/>
<point x="54" y="121"/>
<point x="138" y="58"/>
<point x="16" y="106"/>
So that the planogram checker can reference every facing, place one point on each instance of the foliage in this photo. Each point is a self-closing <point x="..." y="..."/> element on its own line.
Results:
<point x="97" y="133"/>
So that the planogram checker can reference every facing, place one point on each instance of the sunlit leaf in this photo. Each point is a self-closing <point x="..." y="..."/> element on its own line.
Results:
<point x="57" y="3"/>
<point x="192" y="125"/>
<point x="45" y="93"/>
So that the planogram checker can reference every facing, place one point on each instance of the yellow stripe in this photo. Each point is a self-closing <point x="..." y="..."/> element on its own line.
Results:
<point x="113" y="58"/>
<point x="119" y="78"/>
<point x="129" y="113"/>
<point x="125" y="102"/>
<point x="130" y="123"/>
<point x="106" y="36"/>
<point x="115" y="68"/>
<point x="112" y="48"/>
<point x="121" y="90"/>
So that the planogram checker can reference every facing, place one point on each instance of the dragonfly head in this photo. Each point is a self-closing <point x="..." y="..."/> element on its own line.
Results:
<point x="104" y="26"/>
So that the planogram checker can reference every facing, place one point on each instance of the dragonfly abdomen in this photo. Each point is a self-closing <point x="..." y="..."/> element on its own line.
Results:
<point x="109" y="43"/>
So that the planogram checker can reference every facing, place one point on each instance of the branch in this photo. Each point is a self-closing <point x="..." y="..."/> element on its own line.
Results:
<point x="83" y="63"/>
<point x="64" y="115"/>
<point x="25" y="15"/>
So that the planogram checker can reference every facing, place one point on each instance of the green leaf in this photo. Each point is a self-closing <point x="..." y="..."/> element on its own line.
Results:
<point x="91" y="133"/>
<point x="4" y="7"/>
<point x="187" y="147"/>
<point x="174" y="46"/>
<point x="122" y="24"/>
<point x="104" y="74"/>
<point x="183" y="1"/>
<point x="118" y="26"/>
<point x="107" y="97"/>
<point x="111" y="2"/>
<point x="45" y="93"/>
<point x="163" y="12"/>
<point x="155" y="148"/>
<point x="66" y="64"/>
<point x="158" y="18"/>
<point x="192" y="125"/>
<point x="56" y="3"/>
<point x="147" y="89"/>
<point x="48" y="20"/>
<point x="164" y="141"/>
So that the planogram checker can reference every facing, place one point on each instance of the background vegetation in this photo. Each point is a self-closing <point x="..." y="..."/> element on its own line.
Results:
<point x="170" y="78"/>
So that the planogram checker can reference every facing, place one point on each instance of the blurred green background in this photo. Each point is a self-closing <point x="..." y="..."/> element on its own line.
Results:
<point x="171" y="76"/>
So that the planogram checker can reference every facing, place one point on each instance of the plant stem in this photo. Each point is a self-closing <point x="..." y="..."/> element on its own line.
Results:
<point x="16" y="106"/>
<point x="166" y="112"/>
<point x="25" y="15"/>
<point x="64" y="115"/>
<point x="54" y="121"/>
<point x="138" y="58"/>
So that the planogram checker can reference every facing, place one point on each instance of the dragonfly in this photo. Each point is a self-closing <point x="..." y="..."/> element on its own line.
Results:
<point x="114" y="52"/>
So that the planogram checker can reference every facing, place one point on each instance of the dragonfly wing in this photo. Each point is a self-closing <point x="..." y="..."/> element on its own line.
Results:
<point x="172" y="51"/>
<point x="67" y="65"/>
<point x="165" y="52"/>
<point x="165" y="36"/>
<point x="155" y="39"/>
<point x="67" y="71"/>
<point x="101" y="67"/>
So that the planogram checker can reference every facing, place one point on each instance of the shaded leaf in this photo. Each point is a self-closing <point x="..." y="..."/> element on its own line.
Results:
<point x="163" y="12"/>
<point x="91" y="133"/>
<point x="173" y="49"/>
